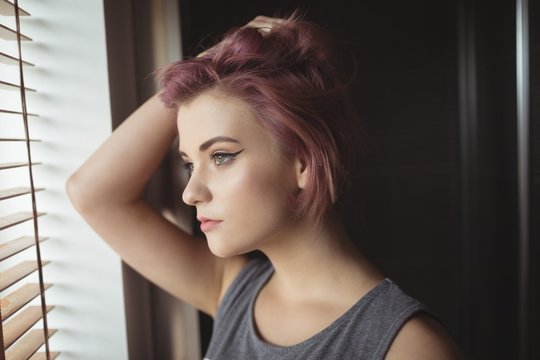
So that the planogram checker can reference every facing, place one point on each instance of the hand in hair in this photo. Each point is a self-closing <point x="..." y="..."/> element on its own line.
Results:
<point x="263" y="23"/>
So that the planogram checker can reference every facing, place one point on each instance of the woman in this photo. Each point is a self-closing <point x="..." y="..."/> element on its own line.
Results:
<point x="263" y="124"/>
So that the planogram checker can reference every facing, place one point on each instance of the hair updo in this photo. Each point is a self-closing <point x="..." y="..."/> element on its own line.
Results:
<point x="289" y="78"/>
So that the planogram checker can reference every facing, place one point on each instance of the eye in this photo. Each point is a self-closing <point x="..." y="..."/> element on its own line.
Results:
<point x="189" y="167"/>
<point x="222" y="158"/>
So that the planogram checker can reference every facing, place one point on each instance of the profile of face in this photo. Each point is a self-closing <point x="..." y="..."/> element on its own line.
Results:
<point x="241" y="182"/>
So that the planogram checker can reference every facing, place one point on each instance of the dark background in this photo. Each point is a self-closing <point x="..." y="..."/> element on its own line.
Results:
<point x="434" y="199"/>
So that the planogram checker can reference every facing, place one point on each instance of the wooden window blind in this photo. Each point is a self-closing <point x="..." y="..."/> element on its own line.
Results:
<point x="23" y="309"/>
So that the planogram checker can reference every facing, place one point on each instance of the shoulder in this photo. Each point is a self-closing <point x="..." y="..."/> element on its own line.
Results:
<point x="423" y="337"/>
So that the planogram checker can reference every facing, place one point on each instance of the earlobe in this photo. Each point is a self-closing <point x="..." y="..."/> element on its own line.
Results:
<point x="301" y="173"/>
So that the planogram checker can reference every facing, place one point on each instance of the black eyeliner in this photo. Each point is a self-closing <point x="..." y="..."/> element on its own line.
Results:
<point x="231" y="156"/>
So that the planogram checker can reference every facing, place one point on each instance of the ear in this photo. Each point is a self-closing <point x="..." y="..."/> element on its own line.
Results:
<point x="301" y="172"/>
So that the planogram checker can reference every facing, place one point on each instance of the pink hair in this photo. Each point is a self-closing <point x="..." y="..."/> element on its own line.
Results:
<point x="287" y="77"/>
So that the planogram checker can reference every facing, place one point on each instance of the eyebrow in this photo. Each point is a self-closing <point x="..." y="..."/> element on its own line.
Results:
<point x="205" y="145"/>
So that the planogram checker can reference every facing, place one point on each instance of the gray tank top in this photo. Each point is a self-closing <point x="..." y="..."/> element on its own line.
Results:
<point x="365" y="331"/>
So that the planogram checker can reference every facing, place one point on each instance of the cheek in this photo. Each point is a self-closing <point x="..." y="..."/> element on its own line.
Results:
<point x="254" y="203"/>
<point x="257" y="193"/>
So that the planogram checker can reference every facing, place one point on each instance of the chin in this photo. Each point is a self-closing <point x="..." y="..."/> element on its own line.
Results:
<point x="221" y="247"/>
<point x="225" y="243"/>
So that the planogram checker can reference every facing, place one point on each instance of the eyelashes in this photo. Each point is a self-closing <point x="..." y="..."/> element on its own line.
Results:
<point x="189" y="167"/>
<point x="218" y="158"/>
<point x="223" y="158"/>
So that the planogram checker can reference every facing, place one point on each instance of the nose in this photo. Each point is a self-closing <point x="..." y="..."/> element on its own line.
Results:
<point x="196" y="190"/>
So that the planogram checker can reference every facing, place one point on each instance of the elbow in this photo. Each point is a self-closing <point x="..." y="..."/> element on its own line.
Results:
<point x="75" y="191"/>
<point x="88" y="196"/>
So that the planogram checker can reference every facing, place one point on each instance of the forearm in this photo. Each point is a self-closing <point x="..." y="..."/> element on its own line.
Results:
<point x="117" y="172"/>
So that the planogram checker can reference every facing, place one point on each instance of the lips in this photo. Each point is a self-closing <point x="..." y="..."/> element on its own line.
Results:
<point x="208" y="224"/>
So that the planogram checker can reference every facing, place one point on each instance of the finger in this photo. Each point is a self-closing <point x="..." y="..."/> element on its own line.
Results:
<point x="259" y="23"/>
<point x="264" y="22"/>
<point x="203" y="53"/>
<point x="270" y="19"/>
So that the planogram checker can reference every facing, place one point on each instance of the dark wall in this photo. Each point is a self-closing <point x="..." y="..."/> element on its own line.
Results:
<point x="535" y="177"/>
<point x="433" y="201"/>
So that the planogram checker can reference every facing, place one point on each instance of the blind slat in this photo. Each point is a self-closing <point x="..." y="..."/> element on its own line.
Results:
<point x="18" y="272"/>
<point x="19" y="340"/>
<point x="28" y="345"/>
<point x="16" y="191"/>
<point x="15" y="246"/>
<point x="42" y="356"/>
<point x="17" y="218"/>
<point x="16" y="327"/>
<point x="9" y="34"/>
<point x="12" y="165"/>
<point x="10" y="86"/>
<point x="20" y="297"/>
<point x="7" y="8"/>
<point x="5" y="111"/>
<point x="12" y="60"/>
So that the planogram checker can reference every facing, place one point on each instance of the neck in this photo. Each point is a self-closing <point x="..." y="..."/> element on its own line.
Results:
<point x="309" y="260"/>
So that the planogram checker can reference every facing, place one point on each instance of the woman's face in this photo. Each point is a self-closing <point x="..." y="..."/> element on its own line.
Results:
<point x="241" y="183"/>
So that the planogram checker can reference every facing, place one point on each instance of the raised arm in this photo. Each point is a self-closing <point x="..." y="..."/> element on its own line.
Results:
<point x="106" y="190"/>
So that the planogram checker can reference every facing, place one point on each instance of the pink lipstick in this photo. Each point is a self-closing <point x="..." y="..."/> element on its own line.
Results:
<point x="208" y="224"/>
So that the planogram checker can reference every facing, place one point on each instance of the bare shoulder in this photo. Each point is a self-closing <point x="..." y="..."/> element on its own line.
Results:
<point x="422" y="338"/>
